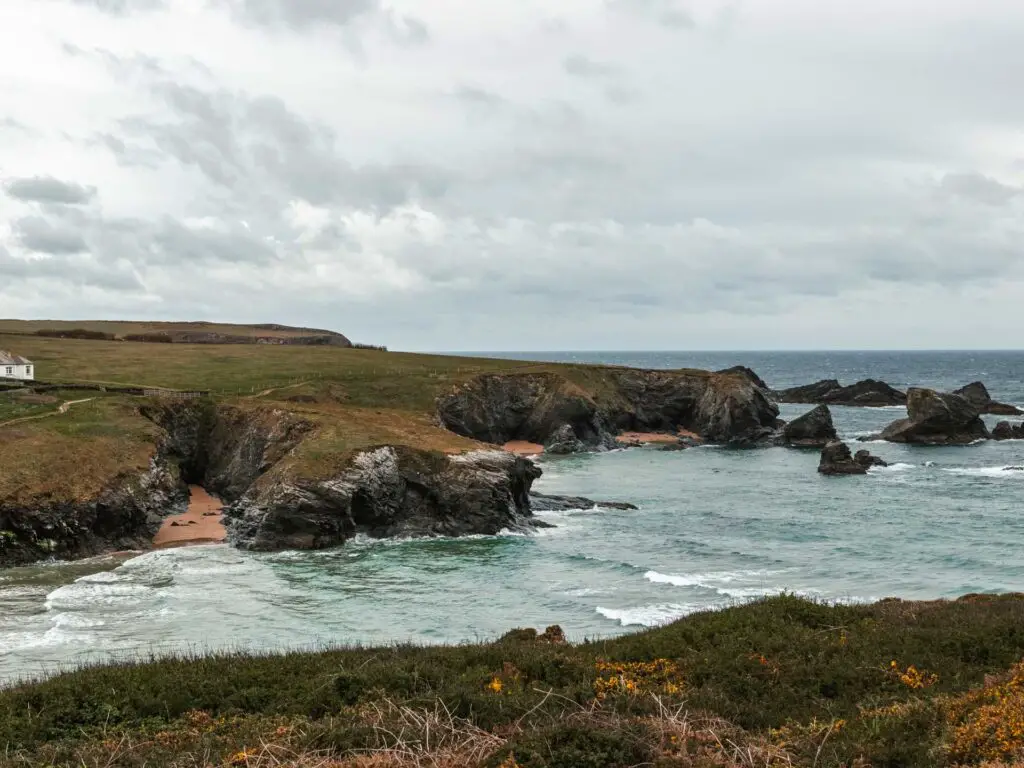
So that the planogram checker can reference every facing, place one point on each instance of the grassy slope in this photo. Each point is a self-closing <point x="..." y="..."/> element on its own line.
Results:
<point x="359" y="398"/>
<point x="121" y="328"/>
<point x="778" y="682"/>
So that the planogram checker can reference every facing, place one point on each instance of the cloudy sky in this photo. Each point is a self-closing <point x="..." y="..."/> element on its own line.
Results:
<point x="518" y="174"/>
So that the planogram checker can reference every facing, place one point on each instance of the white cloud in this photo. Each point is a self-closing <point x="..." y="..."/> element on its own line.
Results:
<point x="632" y="173"/>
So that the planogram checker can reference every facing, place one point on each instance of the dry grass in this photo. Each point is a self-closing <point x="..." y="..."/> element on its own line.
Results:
<point x="121" y="328"/>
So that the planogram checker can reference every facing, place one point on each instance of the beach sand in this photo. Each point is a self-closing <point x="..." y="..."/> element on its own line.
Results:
<point x="657" y="437"/>
<point x="201" y="524"/>
<point x="523" y="448"/>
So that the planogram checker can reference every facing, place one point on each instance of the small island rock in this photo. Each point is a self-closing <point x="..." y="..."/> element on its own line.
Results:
<point x="812" y="430"/>
<point x="836" y="459"/>
<point x="936" y="418"/>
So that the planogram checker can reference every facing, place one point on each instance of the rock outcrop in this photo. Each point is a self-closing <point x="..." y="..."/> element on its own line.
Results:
<point x="866" y="459"/>
<point x="1004" y="430"/>
<point x="549" y="409"/>
<point x="749" y="373"/>
<point x="543" y="502"/>
<point x="936" y="418"/>
<point x="836" y="459"/>
<point x="867" y="393"/>
<point x="977" y="394"/>
<point x="387" y="492"/>
<point x="812" y="430"/>
<point x="125" y="515"/>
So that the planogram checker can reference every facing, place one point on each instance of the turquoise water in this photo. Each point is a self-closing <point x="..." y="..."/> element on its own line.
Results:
<point x="714" y="527"/>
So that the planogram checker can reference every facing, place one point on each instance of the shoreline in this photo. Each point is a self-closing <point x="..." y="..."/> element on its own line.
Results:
<point x="201" y="523"/>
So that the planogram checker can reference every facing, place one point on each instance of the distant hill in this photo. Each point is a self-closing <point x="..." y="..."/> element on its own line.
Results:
<point x="195" y="332"/>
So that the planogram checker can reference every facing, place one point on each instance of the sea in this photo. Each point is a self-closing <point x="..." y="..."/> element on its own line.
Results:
<point x="714" y="528"/>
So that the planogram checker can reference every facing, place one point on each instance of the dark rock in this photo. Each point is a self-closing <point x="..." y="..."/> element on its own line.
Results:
<point x="386" y="492"/>
<point x="564" y="441"/>
<point x="866" y="393"/>
<point x="836" y="459"/>
<point x="124" y="515"/>
<point x="867" y="459"/>
<point x="1003" y="431"/>
<point x="978" y="395"/>
<point x="497" y="408"/>
<point x="749" y="373"/>
<point x="935" y="418"/>
<point x="680" y="446"/>
<point x="543" y="502"/>
<point x="812" y="430"/>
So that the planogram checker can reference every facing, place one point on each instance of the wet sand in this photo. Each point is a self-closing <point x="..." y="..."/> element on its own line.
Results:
<point x="201" y="524"/>
<point x="523" y="448"/>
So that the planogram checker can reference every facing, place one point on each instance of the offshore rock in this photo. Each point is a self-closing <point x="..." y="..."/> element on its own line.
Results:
<point x="543" y="502"/>
<point x="387" y="492"/>
<point x="812" y="430"/>
<point x="564" y="441"/>
<point x="1004" y="430"/>
<point x="867" y="393"/>
<point x="867" y="459"/>
<point x="935" y="418"/>
<point x="537" y="407"/>
<point x="836" y="459"/>
<point x="978" y="395"/>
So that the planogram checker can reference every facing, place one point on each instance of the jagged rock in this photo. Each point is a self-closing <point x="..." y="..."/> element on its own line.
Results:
<point x="935" y="418"/>
<point x="564" y="441"/>
<point x="836" y="459"/>
<point x="749" y="374"/>
<point x="978" y="395"/>
<point x="866" y="393"/>
<point x="867" y="459"/>
<point x="390" y="491"/>
<point x="497" y="408"/>
<point x="1004" y="430"/>
<point x="125" y="515"/>
<point x="543" y="502"/>
<point x="812" y="430"/>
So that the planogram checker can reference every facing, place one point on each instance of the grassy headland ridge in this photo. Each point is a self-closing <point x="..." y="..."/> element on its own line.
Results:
<point x="779" y="682"/>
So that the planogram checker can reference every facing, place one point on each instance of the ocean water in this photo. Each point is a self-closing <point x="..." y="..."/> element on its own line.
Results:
<point x="715" y="527"/>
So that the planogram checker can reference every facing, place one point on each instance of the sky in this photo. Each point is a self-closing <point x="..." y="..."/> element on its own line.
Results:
<point x="518" y="174"/>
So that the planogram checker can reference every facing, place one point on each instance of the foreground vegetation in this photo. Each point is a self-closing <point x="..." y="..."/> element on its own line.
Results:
<point x="779" y="682"/>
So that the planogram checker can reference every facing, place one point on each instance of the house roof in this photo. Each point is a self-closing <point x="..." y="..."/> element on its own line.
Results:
<point x="6" y="358"/>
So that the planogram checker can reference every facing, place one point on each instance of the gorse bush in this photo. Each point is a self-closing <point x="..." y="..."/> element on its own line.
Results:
<point x="782" y="680"/>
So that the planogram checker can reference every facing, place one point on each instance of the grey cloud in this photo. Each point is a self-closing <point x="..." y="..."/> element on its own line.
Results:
<point x="478" y="97"/>
<point x="73" y="270"/>
<point x="978" y="187"/>
<point x="122" y="7"/>
<point x="622" y="94"/>
<point x="10" y="124"/>
<point x="667" y="13"/>
<point x="258" y="145"/>
<point x="582" y="66"/>
<point x="302" y="14"/>
<point x="46" y="189"/>
<point x="38" y="234"/>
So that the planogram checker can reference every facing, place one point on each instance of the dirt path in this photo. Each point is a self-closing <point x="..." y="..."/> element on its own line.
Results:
<point x="203" y="523"/>
<point x="266" y="392"/>
<point x="61" y="409"/>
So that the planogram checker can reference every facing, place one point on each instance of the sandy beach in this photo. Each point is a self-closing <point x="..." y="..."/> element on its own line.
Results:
<point x="523" y="448"/>
<point x="201" y="524"/>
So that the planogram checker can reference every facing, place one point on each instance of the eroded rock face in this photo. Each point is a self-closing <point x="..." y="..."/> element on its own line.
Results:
<point x="388" y="492"/>
<point x="867" y="393"/>
<point x="867" y="459"/>
<point x="125" y="515"/>
<point x="1004" y="430"/>
<point x="836" y="459"/>
<point x="978" y="395"/>
<point x="812" y="430"/>
<point x="936" y="418"/>
<point x="543" y="502"/>
<point x="549" y="409"/>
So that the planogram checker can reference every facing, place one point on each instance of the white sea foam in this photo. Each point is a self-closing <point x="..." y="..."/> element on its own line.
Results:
<point x="897" y="467"/>
<point x="711" y="579"/>
<point x="647" y="615"/>
<point x="81" y="595"/>
<point x="1003" y="473"/>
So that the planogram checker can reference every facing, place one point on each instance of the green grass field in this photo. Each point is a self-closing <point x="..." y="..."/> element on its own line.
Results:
<point x="779" y="682"/>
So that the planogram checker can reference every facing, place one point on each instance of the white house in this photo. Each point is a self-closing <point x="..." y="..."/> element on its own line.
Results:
<point x="15" y="367"/>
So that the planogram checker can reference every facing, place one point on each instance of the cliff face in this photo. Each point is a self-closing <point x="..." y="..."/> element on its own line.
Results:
<point x="125" y="515"/>
<point x="388" y="492"/>
<point x="726" y="407"/>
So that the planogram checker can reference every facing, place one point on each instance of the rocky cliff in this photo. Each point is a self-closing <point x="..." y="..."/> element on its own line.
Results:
<point x="388" y="492"/>
<point x="936" y="418"/>
<point x="125" y="515"/>
<point x="727" y="407"/>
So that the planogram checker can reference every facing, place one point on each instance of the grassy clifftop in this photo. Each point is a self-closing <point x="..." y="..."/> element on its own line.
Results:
<point x="781" y="682"/>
